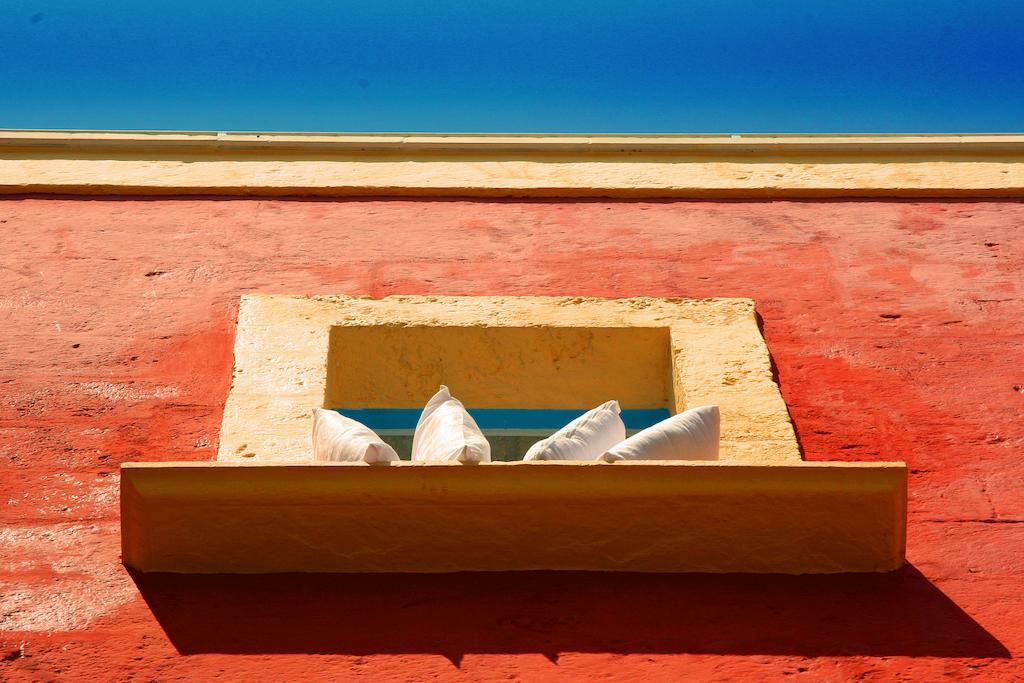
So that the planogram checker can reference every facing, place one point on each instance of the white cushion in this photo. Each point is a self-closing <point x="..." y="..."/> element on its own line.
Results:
<point x="585" y="438"/>
<point x="446" y="432"/>
<point x="690" y="435"/>
<point x="337" y="438"/>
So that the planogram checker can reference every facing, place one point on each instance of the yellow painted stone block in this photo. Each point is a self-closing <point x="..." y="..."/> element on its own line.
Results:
<point x="651" y="517"/>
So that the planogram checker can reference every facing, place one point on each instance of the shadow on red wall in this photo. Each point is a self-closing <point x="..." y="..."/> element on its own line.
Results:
<point x="900" y="613"/>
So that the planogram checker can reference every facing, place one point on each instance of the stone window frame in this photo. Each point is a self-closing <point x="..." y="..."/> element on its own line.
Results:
<point x="718" y="356"/>
<point x="264" y="506"/>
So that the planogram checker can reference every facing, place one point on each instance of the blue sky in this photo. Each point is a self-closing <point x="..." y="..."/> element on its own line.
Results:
<point x="528" y="66"/>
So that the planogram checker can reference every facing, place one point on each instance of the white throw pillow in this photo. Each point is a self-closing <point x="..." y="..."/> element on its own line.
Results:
<point x="690" y="435"/>
<point x="446" y="432"/>
<point x="337" y="438"/>
<point x="585" y="438"/>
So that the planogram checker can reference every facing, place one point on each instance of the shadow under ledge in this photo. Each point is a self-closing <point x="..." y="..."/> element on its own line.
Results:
<point x="899" y="613"/>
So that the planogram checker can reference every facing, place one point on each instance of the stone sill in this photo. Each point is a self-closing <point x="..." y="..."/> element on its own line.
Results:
<point x="228" y="517"/>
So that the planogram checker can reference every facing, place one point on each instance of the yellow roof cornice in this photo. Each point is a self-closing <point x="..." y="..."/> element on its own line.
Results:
<point x="683" y="166"/>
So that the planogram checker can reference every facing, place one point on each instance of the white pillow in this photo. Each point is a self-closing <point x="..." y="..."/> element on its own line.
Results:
<point x="585" y="438"/>
<point x="690" y="435"/>
<point x="337" y="438"/>
<point x="446" y="432"/>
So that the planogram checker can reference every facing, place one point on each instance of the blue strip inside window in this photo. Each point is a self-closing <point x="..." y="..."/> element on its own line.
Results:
<point x="401" y="419"/>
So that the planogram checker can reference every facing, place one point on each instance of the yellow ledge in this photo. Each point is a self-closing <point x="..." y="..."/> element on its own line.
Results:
<point x="215" y="517"/>
<point x="683" y="166"/>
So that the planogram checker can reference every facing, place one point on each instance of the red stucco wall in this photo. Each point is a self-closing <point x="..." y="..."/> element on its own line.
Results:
<point x="897" y="329"/>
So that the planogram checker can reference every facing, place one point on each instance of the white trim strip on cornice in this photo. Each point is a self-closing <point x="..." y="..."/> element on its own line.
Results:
<point x="683" y="144"/>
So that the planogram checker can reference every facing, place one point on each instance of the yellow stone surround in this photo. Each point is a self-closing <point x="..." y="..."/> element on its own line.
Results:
<point x="713" y="353"/>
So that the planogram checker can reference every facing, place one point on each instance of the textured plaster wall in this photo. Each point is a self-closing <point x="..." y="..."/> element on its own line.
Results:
<point x="897" y="329"/>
